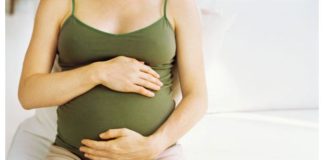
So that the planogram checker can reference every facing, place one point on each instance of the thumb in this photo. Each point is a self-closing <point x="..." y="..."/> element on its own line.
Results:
<point x="113" y="133"/>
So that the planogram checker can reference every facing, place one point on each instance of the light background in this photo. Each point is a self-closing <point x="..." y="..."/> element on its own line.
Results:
<point x="268" y="59"/>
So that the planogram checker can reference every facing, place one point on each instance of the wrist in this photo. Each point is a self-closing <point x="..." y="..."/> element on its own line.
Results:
<point x="157" y="143"/>
<point x="94" y="71"/>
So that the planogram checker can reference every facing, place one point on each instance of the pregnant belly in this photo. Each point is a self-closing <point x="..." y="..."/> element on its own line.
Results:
<point x="100" y="109"/>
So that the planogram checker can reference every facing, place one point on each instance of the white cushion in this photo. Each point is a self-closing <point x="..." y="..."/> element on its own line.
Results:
<point x="31" y="140"/>
<point x="216" y="24"/>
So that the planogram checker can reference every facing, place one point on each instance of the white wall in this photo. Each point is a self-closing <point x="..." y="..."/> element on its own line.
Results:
<point x="269" y="56"/>
<point x="18" y="32"/>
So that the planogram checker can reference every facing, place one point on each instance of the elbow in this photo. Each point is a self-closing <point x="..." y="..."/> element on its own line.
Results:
<point x="24" y="101"/>
<point x="203" y="101"/>
<point x="27" y="101"/>
<point x="24" y="95"/>
<point x="200" y="100"/>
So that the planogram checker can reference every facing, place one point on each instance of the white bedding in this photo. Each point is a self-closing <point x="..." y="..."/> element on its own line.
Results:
<point x="271" y="135"/>
<point x="279" y="135"/>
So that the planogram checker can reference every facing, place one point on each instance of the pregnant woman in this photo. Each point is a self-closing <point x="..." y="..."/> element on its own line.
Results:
<point x="114" y="91"/>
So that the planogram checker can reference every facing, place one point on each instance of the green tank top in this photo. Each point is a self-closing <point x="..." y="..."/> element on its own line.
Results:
<point x="100" y="108"/>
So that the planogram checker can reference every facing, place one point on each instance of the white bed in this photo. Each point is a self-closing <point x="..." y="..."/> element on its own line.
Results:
<point x="267" y="135"/>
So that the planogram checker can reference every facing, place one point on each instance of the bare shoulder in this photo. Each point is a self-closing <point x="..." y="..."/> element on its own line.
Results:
<point x="54" y="10"/>
<point x="183" y="12"/>
<point x="48" y="18"/>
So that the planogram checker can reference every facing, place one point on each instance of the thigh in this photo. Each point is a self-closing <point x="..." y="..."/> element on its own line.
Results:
<point x="173" y="153"/>
<point x="59" y="153"/>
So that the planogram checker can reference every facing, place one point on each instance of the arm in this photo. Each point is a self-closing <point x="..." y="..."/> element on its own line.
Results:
<point x="191" y="75"/>
<point x="40" y="88"/>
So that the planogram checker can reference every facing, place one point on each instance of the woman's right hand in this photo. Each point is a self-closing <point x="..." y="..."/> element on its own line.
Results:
<point x="127" y="74"/>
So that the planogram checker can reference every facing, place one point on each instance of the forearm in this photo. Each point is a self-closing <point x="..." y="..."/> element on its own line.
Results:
<point x="50" y="89"/>
<point x="189" y="111"/>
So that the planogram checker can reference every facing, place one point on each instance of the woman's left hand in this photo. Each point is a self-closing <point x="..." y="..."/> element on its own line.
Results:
<point x="120" y="144"/>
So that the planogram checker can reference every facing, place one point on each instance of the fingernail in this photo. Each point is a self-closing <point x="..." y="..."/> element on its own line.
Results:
<point x="83" y="141"/>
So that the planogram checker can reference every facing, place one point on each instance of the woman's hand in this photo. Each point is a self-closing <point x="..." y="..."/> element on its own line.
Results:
<point x="127" y="74"/>
<point x="121" y="144"/>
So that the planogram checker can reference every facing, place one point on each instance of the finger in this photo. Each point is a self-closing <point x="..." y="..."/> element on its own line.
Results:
<point x="114" y="133"/>
<point x="100" y="145"/>
<point x="143" y="91"/>
<point x="93" y="157"/>
<point x="94" y="152"/>
<point x="147" y="84"/>
<point x="149" y="70"/>
<point x="151" y="78"/>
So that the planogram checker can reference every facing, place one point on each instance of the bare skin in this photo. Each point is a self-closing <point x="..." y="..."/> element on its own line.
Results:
<point x="52" y="89"/>
<point x="39" y="88"/>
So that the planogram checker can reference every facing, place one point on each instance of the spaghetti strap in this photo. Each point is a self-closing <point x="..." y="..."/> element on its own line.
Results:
<point x="164" y="10"/>
<point x="73" y="4"/>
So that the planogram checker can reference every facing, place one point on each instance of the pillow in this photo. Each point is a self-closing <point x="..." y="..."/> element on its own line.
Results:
<point x="215" y="24"/>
